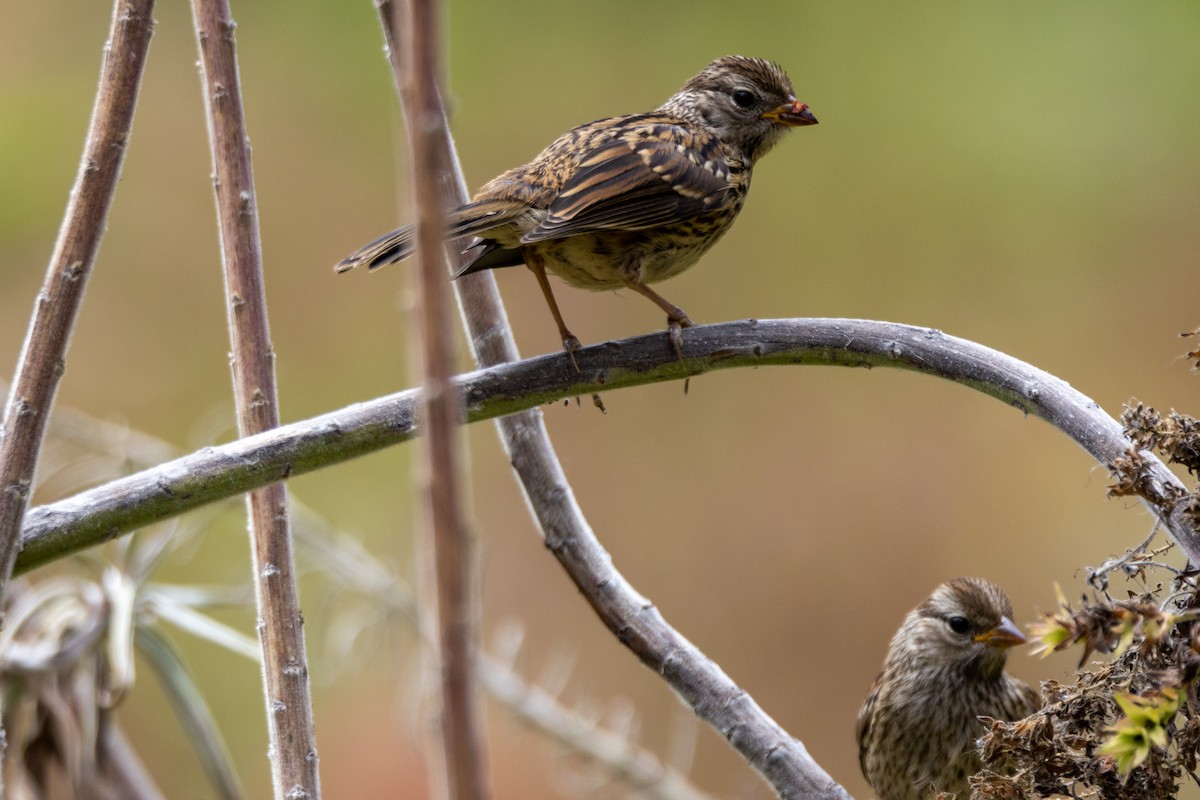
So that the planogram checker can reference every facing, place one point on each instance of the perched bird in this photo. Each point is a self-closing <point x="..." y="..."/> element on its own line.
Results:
<point x="944" y="669"/>
<point x="626" y="201"/>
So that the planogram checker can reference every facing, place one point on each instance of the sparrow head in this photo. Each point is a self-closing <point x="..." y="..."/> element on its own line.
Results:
<point x="747" y="103"/>
<point x="965" y="627"/>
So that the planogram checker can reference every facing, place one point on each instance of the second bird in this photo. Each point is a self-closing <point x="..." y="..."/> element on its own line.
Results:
<point x="626" y="201"/>
<point x="917" y="732"/>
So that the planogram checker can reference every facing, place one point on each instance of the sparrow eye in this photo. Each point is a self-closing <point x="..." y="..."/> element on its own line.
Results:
<point x="743" y="98"/>
<point x="959" y="624"/>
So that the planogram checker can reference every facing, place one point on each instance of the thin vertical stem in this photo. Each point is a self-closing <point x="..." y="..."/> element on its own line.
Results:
<point x="292" y="749"/>
<point x="447" y="538"/>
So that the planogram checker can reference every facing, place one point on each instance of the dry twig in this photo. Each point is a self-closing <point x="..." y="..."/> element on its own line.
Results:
<point x="293" y="750"/>
<point x="452" y="600"/>
<point x="43" y="358"/>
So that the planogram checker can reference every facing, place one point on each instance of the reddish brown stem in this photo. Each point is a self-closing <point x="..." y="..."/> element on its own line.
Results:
<point x="447" y="540"/>
<point x="292" y="749"/>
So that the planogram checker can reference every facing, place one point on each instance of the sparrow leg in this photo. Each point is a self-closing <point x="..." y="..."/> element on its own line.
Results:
<point x="570" y="343"/>
<point x="677" y="318"/>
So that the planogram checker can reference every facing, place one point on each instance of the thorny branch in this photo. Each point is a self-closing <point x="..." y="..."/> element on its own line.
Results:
<point x="43" y="357"/>
<point x="293" y="749"/>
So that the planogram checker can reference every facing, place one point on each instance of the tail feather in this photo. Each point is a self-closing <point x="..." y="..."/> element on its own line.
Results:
<point x="473" y="219"/>
<point x="392" y="247"/>
<point x="489" y="255"/>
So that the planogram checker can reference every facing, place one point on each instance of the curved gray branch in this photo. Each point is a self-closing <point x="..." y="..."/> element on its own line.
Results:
<point x="216" y="473"/>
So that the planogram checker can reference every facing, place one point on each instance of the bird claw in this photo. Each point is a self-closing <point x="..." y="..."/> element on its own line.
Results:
<point x="571" y="344"/>
<point x="675" y="326"/>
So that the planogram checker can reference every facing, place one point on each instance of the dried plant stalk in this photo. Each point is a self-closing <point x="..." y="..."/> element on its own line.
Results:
<point x="43" y="357"/>
<point x="292" y="750"/>
<point x="453" y="597"/>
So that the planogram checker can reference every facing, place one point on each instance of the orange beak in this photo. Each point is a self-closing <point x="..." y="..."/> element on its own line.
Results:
<point x="1004" y="635"/>
<point x="792" y="114"/>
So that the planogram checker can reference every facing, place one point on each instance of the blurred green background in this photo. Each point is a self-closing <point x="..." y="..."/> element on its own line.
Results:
<point x="1025" y="174"/>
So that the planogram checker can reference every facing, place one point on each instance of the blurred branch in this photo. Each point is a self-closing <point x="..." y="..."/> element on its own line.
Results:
<point x="460" y="770"/>
<point x="43" y="357"/>
<point x="343" y="559"/>
<point x="128" y="447"/>
<point x="215" y="473"/>
<point x="522" y="433"/>
<point x="293" y="749"/>
<point x="633" y="765"/>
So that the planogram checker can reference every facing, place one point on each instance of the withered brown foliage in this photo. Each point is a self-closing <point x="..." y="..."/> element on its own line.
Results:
<point x="1176" y="435"/>
<point x="1130" y="475"/>
<point x="1060" y="750"/>
<point x="1128" y="728"/>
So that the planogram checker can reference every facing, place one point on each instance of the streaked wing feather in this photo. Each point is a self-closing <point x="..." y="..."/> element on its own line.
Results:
<point x="476" y="219"/>
<point x="649" y="177"/>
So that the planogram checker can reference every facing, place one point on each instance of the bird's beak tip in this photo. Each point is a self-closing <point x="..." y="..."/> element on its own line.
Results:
<point x="1004" y="635"/>
<point x="792" y="114"/>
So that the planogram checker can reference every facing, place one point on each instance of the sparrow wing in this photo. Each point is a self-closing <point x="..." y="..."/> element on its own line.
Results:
<point x="652" y="174"/>
<point x="648" y="174"/>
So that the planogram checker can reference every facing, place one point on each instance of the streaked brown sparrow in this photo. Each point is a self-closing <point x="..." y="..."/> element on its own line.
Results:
<point x="626" y="201"/>
<point x="944" y="669"/>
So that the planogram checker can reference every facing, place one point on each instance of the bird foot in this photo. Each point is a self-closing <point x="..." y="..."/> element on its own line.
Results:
<point x="571" y="344"/>
<point x="675" y="326"/>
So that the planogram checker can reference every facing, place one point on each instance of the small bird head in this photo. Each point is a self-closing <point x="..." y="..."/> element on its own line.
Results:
<point x="747" y="103"/>
<point x="965" y="626"/>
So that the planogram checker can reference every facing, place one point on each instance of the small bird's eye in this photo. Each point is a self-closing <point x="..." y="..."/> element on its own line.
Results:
<point x="959" y="624"/>
<point x="743" y="98"/>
